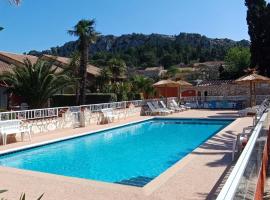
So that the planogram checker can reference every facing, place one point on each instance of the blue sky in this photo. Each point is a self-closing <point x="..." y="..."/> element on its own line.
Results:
<point x="41" y="24"/>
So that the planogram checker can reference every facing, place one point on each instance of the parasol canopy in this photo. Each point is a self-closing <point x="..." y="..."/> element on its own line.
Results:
<point x="252" y="79"/>
<point x="166" y="83"/>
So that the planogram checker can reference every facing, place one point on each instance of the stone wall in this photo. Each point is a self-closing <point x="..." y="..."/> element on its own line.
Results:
<point x="233" y="89"/>
<point x="69" y="120"/>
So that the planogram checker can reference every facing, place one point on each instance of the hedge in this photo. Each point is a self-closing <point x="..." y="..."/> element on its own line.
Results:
<point x="70" y="99"/>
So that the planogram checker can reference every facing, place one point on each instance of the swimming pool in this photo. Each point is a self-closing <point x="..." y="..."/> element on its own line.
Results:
<point x="133" y="154"/>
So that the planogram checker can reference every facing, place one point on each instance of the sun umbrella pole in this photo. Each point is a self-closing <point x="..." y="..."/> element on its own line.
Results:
<point x="166" y="93"/>
<point x="250" y="93"/>
<point x="255" y="102"/>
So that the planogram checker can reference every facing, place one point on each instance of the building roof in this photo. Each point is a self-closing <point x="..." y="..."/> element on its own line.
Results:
<point x="4" y="67"/>
<point x="215" y="82"/>
<point x="18" y="58"/>
<point x="160" y="68"/>
<point x="64" y="60"/>
<point x="209" y="63"/>
<point x="7" y="60"/>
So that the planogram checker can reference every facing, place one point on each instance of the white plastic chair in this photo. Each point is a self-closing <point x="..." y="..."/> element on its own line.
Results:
<point x="13" y="127"/>
<point x="108" y="115"/>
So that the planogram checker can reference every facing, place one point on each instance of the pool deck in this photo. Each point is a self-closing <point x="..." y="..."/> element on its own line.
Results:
<point x="195" y="177"/>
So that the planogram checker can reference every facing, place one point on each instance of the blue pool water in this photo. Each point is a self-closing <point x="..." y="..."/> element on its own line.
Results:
<point x="133" y="154"/>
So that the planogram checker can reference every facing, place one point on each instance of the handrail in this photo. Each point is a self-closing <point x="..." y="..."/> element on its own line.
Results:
<point x="229" y="189"/>
<point x="55" y="111"/>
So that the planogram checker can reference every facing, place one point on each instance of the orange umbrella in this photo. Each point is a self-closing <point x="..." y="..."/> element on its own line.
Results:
<point x="182" y="83"/>
<point x="165" y="84"/>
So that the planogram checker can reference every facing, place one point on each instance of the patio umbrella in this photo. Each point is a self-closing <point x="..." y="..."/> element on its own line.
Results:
<point x="182" y="83"/>
<point x="252" y="79"/>
<point x="166" y="84"/>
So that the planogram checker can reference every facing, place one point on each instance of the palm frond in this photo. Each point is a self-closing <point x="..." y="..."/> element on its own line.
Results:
<point x="37" y="82"/>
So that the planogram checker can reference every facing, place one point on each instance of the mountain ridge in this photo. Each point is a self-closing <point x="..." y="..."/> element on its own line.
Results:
<point x="152" y="49"/>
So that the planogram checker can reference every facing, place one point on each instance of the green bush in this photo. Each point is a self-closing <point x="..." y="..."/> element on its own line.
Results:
<point x="70" y="99"/>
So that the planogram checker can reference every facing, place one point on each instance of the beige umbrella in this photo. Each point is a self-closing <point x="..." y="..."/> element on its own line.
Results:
<point x="252" y="79"/>
<point x="166" y="84"/>
<point x="182" y="83"/>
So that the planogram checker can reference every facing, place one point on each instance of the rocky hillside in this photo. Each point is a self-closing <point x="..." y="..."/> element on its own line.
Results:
<point x="139" y="50"/>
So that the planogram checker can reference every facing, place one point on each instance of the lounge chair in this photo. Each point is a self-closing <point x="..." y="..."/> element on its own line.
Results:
<point x="154" y="110"/>
<point x="165" y="108"/>
<point x="256" y="110"/>
<point x="156" y="105"/>
<point x="175" y="108"/>
<point x="180" y="106"/>
<point x="13" y="127"/>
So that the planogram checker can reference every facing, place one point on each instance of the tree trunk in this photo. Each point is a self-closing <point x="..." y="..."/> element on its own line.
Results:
<point x="83" y="70"/>
<point x="77" y="86"/>
<point x="77" y="91"/>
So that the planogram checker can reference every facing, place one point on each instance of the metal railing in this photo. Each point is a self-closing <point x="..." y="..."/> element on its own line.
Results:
<point x="259" y="98"/>
<point x="30" y="114"/>
<point x="56" y="112"/>
<point x="241" y="184"/>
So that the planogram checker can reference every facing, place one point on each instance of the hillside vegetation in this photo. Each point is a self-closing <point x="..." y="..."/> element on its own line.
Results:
<point x="140" y="51"/>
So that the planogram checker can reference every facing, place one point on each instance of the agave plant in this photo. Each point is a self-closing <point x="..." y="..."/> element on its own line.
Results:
<point x="37" y="82"/>
<point x="22" y="197"/>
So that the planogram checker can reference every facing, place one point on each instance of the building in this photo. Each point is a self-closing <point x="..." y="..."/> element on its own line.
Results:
<point x="9" y="60"/>
<point x="152" y="72"/>
<point x="63" y="61"/>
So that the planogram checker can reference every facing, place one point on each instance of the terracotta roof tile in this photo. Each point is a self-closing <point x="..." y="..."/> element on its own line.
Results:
<point x="90" y="69"/>
<point x="215" y="82"/>
<point x="19" y="57"/>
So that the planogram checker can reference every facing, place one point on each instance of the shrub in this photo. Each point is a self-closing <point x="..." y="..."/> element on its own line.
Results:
<point x="70" y="99"/>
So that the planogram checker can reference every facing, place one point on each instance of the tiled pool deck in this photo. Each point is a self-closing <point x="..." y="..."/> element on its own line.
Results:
<point x="194" y="177"/>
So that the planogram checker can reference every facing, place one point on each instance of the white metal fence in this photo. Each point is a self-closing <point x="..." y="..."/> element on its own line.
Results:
<point x="57" y="111"/>
<point x="259" y="98"/>
<point x="36" y="114"/>
<point x="241" y="184"/>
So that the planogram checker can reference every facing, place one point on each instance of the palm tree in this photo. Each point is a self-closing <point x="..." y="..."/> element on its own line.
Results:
<point x="117" y="67"/>
<point x="143" y="85"/>
<point x="85" y="30"/>
<point x="75" y="66"/>
<point x="103" y="79"/>
<point x="36" y="83"/>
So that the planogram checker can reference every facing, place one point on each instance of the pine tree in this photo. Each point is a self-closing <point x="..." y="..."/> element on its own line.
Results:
<point x="258" y="19"/>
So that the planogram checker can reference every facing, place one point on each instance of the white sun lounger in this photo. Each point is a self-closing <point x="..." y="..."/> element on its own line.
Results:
<point x="175" y="107"/>
<point x="180" y="106"/>
<point x="256" y="110"/>
<point x="156" y="105"/>
<point x="165" y="108"/>
<point x="154" y="110"/>
<point x="13" y="127"/>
